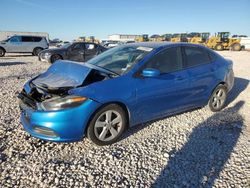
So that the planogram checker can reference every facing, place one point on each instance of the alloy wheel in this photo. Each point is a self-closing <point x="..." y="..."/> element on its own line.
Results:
<point x="219" y="98"/>
<point x="108" y="125"/>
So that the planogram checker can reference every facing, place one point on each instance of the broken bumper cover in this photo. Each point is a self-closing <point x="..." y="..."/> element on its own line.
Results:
<point x="58" y="126"/>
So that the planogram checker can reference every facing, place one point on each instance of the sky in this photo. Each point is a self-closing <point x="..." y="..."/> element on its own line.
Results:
<point x="69" y="19"/>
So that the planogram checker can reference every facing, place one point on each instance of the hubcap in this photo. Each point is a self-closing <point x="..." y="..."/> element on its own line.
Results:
<point x="108" y="125"/>
<point x="219" y="98"/>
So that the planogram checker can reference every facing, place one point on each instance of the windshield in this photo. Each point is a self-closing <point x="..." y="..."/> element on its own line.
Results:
<point x="6" y="40"/>
<point x="120" y="59"/>
<point x="66" y="45"/>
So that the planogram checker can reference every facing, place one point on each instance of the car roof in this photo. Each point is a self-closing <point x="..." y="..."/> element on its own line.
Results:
<point x="82" y="42"/>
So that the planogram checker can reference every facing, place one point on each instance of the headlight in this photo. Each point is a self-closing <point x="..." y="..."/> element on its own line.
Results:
<point x="61" y="103"/>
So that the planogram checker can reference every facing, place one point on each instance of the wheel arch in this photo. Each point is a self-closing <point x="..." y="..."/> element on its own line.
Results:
<point x="121" y="104"/>
<point x="56" y="54"/>
<point x="38" y="47"/>
<point x="220" y="83"/>
<point x="3" y="48"/>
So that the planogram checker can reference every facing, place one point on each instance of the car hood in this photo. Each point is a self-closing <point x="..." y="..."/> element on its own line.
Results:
<point x="54" y="50"/>
<point x="67" y="74"/>
<point x="62" y="74"/>
<point x="3" y="42"/>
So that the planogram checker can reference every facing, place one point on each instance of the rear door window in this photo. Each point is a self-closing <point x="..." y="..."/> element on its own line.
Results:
<point x="167" y="61"/>
<point x="27" y="39"/>
<point x="195" y="56"/>
<point x="90" y="46"/>
<point x="77" y="46"/>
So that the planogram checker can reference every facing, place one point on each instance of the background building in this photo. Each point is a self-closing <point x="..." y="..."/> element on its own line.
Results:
<point x="122" y="37"/>
<point x="6" y="34"/>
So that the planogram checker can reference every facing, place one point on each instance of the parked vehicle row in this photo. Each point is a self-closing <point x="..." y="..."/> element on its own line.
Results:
<point x="122" y="87"/>
<point x="38" y="46"/>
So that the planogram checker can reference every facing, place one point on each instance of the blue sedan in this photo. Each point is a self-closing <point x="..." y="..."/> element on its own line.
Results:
<point x="123" y="87"/>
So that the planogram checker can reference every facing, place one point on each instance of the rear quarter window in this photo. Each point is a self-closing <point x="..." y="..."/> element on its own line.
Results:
<point x="196" y="56"/>
<point x="37" y="39"/>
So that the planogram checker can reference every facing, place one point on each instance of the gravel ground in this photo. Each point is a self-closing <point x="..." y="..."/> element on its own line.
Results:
<point x="194" y="149"/>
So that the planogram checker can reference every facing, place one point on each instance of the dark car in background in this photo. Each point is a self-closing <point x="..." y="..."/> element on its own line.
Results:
<point x="23" y="44"/>
<point x="78" y="51"/>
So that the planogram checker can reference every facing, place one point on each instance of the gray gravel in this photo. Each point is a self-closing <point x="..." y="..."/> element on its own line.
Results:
<point x="194" y="149"/>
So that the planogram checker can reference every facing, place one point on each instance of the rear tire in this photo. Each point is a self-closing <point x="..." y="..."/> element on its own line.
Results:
<point x="55" y="57"/>
<point x="219" y="47"/>
<point x="236" y="47"/>
<point x="107" y="125"/>
<point x="36" y="51"/>
<point x="2" y="52"/>
<point x="218" y="98"/>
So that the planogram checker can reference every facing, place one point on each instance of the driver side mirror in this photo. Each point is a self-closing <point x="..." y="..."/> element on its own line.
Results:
<point x="150" y="72"/>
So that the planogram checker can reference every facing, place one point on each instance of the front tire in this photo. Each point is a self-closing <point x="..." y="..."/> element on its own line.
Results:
<point x="2" y="52"/>
<point x="218" y="98"/>
<point x="236" y="47"/>
<point x="107" y="125"/>
<point x="219" y="47"/>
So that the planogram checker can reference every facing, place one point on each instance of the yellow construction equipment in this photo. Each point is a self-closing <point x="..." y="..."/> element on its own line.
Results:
<point x="142" y="38"/>
<point x="192" y="35"/>
<point x="167" y="37"/>
<point x="92" y="39"/>
<point x="199" y="38"/>
<point x="179" y="37"/>
<point x="222" y="41"/>
<point x="81" y="39"/>
<point x="156" y="38"/>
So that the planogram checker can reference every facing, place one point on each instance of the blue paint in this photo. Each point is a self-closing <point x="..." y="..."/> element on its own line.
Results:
<point x="146" y="97"/>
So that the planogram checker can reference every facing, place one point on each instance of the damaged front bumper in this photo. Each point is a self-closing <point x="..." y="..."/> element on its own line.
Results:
<point x="59" y="126"/>
<point x="68" y="123"/>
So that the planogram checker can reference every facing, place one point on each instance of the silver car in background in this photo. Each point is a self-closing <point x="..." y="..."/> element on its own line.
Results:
<point x="23" y="44"/>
